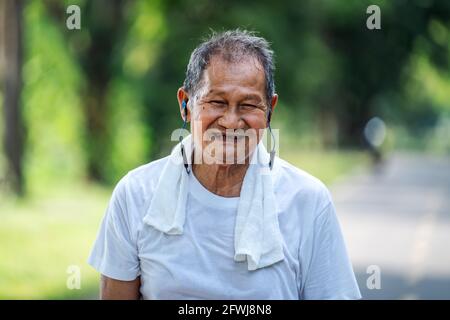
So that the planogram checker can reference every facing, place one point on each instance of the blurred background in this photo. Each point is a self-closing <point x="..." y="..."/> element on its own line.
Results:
<point x="366" y="111"/>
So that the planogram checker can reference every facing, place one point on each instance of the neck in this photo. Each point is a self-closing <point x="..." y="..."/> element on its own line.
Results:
<point x="223" y="180"/>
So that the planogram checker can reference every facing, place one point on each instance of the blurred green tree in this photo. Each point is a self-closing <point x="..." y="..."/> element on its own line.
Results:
<point x="11" y="51"/>
<point x="97" y="49"/>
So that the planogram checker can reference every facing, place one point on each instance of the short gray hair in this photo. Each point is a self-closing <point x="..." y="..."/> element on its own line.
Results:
<point x="232" y="46"/>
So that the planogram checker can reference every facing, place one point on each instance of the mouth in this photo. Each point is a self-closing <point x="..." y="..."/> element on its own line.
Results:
<point x="228" y="138"/>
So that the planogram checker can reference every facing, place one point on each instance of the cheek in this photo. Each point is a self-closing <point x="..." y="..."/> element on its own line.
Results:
<point x="256" y="121"/>
<point x="206" y="119"/>
<point x="203" y="121"/>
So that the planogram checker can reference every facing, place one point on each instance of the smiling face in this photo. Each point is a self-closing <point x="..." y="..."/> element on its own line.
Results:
<point x="231" y="101"/>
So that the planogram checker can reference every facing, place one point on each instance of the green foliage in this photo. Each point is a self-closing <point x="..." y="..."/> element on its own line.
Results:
<point x="51" y="104"/>
<point x="42" y="236"/>
<point x="329" y="166"/>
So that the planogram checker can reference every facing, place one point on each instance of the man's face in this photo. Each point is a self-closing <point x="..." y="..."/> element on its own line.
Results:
<point x="232" y="97"/>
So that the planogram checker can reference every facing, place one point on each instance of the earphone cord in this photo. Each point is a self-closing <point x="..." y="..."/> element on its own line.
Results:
<point x="183" y="153"/>
<point x="272" y="152"/>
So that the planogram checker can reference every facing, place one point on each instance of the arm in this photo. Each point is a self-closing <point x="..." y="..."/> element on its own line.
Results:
<point x="112" y="289"/>
<point x="115" y="254"/>
<point x="330" y="273"/>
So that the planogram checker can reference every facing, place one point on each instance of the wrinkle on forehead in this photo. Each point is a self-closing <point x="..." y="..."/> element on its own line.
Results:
<point x="246" y="73"/>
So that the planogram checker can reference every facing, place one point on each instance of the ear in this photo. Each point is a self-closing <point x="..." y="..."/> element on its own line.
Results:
<point x="273" y="104"/>
<point x="182" y="95"/>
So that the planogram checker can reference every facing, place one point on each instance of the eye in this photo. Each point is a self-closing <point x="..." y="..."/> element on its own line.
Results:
<point x="217" y="102"/>
<point x="249" y="106"/>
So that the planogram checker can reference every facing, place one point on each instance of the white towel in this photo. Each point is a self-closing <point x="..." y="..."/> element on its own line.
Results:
<point x="257" y="236"/>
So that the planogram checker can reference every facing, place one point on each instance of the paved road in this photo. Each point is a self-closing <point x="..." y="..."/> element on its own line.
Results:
<point x="396" y="220"/>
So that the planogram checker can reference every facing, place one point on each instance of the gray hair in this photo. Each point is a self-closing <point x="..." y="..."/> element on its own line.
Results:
<point x="233" y="45"/>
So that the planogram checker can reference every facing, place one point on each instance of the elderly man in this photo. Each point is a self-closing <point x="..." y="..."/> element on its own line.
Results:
<point x="220" y="217"/>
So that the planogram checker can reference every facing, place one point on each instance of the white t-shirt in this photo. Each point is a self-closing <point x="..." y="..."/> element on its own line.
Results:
<point x="199" y="264"/>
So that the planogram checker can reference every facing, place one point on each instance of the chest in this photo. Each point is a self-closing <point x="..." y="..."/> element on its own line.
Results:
<point x="199" y="264"/>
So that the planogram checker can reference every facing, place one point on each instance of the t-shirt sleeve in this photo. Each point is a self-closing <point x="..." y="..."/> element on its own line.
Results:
<point x="114" y="253"/>
<point x="330" y="274"/>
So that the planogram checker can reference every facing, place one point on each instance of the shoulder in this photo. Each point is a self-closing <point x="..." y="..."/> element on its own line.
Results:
<point x="146" y="174"/>
<point x="135" y="189"/>
<point x="299" y="189"/>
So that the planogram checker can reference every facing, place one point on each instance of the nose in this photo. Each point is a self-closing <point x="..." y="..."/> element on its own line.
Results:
<point x="231" y="119"/>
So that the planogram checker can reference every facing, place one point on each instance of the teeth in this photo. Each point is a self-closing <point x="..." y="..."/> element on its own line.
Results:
<point x="228" y="137"/>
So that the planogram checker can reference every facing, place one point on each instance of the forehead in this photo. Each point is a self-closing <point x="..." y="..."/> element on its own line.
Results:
<point x="237" y="77"/>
